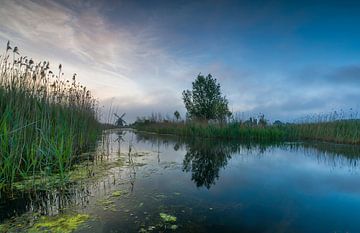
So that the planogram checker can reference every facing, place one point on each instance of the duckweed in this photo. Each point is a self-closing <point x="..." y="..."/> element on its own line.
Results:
<point x="60" y="224"/>
<point x="117" y="193"/>
<point x="167" y="217"/>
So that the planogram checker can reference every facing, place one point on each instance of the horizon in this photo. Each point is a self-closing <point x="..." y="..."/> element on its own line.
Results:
<point x="285" y="60"/>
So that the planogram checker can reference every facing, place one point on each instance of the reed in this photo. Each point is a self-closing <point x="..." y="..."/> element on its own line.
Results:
<point x="337" y="131"/>
<point x="223" y="131"/>
<point x="327" y="128"/>
<point x="45" y="120"/>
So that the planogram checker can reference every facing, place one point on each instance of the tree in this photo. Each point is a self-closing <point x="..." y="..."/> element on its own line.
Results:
<point x="205" y="101"/>
<point x="177" y="115"/>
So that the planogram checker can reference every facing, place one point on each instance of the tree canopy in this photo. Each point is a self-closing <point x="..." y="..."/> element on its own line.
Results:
<point x="205" y="101"/>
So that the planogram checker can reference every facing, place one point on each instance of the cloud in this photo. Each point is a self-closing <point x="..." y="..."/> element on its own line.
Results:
<point x="163" y="102"/>
<point x="113" y="61"/>
<point x="349" y="74"/>
<point x="141" y="56"/>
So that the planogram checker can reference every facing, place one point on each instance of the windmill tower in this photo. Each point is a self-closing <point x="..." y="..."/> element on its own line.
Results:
<point x="120" y="122"/>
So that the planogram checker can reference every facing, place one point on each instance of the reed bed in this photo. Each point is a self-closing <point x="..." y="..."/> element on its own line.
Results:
<point x="327" y="128"/>
<point x="45" y="120"/>
<point x="337" y="131"/>
<point x="223" y="131"/>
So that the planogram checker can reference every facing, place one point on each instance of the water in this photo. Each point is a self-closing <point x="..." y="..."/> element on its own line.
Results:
<point x="209" y="186"/>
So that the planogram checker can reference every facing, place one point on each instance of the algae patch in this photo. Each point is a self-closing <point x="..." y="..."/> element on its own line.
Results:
<point x="117" y="193"/>
<point x="167" y="222"/>
<point x="173" y="227"/>
<point x="167" y="217"/>
<point x="87" y="171"/>
<point x="59" y="224"/>
<point x="107" y="204"/>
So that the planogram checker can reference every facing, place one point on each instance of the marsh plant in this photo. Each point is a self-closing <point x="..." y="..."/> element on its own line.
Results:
<point x="45" y="120"/>
<point x="336" y="127"/>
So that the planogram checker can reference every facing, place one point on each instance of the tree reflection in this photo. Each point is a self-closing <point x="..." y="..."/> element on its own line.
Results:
<point x="204" y="159"/>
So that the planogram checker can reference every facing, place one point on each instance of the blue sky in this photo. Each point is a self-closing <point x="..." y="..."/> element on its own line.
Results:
<point x="286" y="59"/>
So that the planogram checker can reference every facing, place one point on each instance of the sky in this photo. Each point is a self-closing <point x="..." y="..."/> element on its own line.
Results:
<point x="285" y="59"/>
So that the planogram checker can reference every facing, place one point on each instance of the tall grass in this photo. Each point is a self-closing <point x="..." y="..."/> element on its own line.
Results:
<point x="45" y="120"/>
<point x="224" y="131"/>
<point x="327" y="128"/>
<point x="337" y="131"/>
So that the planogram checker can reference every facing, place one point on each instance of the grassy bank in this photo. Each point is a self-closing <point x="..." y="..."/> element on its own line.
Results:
<point x="226" y="131"/>
<point x="336" y="131"/>
<point x="45" y="121"/>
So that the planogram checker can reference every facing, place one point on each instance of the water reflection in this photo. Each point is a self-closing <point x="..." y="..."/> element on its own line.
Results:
<point x="204" y="158"/>
<point x="44" y="202"/>
<point x="205" y="161"/>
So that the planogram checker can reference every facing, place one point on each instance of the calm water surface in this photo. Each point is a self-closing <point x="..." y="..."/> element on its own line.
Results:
<point x="209" y="186"/>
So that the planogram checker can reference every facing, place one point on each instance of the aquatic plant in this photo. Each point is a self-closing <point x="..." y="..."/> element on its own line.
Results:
<point x="59" y="224"/>
<point x="45" y="120"/>
<point x="167" y="217"/>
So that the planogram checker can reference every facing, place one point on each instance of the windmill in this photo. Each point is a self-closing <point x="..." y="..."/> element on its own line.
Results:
<point x="120" y="122"/>
<point x="119" y="139"/>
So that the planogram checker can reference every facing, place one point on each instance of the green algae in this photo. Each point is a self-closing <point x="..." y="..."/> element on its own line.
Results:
<point x="59" y="224"/>
<point x="117" y="193"/>
<point x="167" y="222"/>
<point x="3" y="228"/>
<point x="86" y="171"/>
<point x="173" y="227"/>
<point x="167" y="217"/>
<point x="33" y="222"/>
<point x="106" y="204"/>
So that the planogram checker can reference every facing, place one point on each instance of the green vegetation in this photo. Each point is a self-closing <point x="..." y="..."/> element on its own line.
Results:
<point x="258" y="130"/>
<point x="177" y="115"/>
<point x="81" y="173"/>
<point x="45" y="120"/>
<point x="337" y="131"/>
<point x="208" y="116"/>
<point x="205" y="101"/>
<point x="34" y="222"/>
<point x="59" y="224"/>
<point x="167" y="217"/>
<point x="205" y="130"/>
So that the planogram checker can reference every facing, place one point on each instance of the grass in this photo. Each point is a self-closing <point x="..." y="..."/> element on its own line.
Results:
<point x="344" y="131"/>
<point x="225" y="131"/>
<point x="45" y="120"/>
<point x="337" y="131"/>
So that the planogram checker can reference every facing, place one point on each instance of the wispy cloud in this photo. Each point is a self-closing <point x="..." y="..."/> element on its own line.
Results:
<point x="113" y="61"/>
<point x="271" y="58"/>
